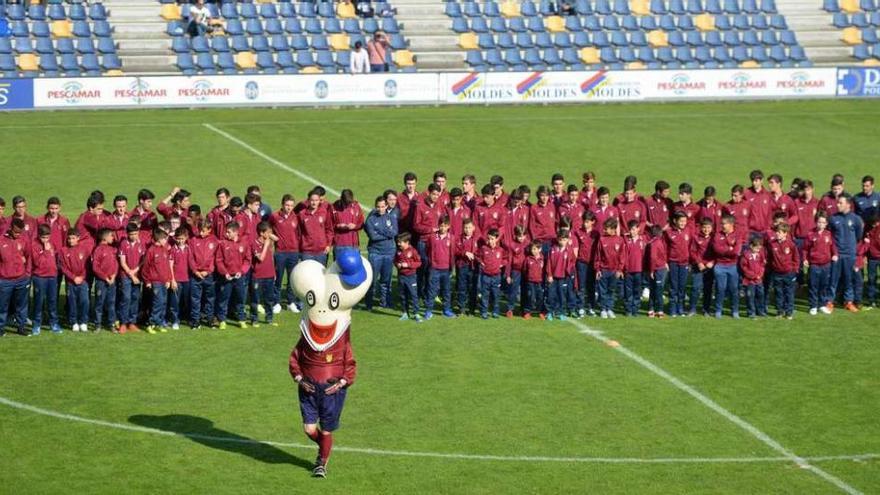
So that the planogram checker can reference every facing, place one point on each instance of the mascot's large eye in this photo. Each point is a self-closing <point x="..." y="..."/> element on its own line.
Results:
<point x="334" y="300"/>
<point x="310" y="298"/>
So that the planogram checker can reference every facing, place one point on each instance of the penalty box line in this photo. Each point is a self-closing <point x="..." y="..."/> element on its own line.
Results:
<point x="752" y="430"/>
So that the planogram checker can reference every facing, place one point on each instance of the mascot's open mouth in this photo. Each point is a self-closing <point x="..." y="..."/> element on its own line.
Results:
<point x="321" y="334"/>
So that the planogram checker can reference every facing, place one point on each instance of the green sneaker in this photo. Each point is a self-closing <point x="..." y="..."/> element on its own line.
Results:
<point x="222" y="325"/>
<point x="272" y="324"/>
<point x="243" y="324"/>
<point x="151" y="330"/>
<point x="163" y="329"/>
<point x="255" y="324"/>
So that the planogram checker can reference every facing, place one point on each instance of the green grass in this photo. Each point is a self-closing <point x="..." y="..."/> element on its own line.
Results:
<point x="462" y="386"/>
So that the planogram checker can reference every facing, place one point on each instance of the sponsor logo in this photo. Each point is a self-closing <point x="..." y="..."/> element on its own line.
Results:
<point x="530" y="83"/>
<point x="251" y="90"/>
<point x="73" y="93"/>
<point x="390" y="88"/>
<point x="858" y="82"/>
<point x="799" y="82"/>
<point x="469" y="82"/>
<point x="322" y="89"/>
<point x="139" y="91"/>
<point x="16" y="94"/>
<point x="202" y="90"/>
<point x="606" y="87"/>
<point x="742" y="83"/>
<point x="681" y="84"/>
<point x="594" y="82"/>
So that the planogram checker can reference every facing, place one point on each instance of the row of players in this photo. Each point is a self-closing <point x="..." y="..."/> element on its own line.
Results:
<point x="314" y="227"/>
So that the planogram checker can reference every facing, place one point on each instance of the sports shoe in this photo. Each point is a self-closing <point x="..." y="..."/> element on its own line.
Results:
<point x="561" y="317"/>
<point x="591" y="312"/>
<point x="35" y="330"/>
<point x="319" y="472"/>
<point x="132" y="328"/>
<point x="261" y="309"/>
<point x="242" y="324"/>
<point x="789" y="317"/>
<point x="826" y="310"/>
<point x="661" y="315"/>
<point x="542" y="316"/>
<point x="603" y="315"/>
<point x="646" y="293"/>
<point x="852" y="308"/>
<point x="255" y="324"/>
<point x="428" y="315"/>
<point x="163" y="329"/>
<point x="527" y="316"/>
<point x="549" y="317"/>
<point x="650" y="314"/>
<point x="56" y="329"/>
<point x="293" y="308"/>
<point x="736" y="316"/>
<point x="509" y="314"/>
<point x="612" y="315"/>
<point x="75" y="327"/>
<point x="449" y="314"/>
<point x="276" y="309"/>
<point x="272" y="323"/>
<point x="403" y="317"/>
<point x="175" y="326"/>
<point x="222" y="325"/>
<point x="814" y="311"/>
<point x="418" y="318"/>
<point x="581" y="313"/>
<point x="829" y="307"/>
<point x="151" y="330"/>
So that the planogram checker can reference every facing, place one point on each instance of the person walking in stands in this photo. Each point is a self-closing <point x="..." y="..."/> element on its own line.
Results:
<point x="378" y="48"/>
<point x="847" y="229"/>
<point x="381" y="228"/>
<point x="44" y="271"/>
<point x="360" y="59"/>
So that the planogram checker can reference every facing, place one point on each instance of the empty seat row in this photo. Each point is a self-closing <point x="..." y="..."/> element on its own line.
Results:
<point x="286" y="10"/>
<point x="37" y="12"/>
<point x="849" y="5"/>
<point x="622" y="7"/>
<point x="866" y="51"/>
<point x="62" y="45"/>
<point x="666" y="22"/>
<point x="638" y="38"/>
<point x="275" y="26"/>
<point x="50" y="65"/>
<point x="859" y="19"/>
<point x="42" y="29"/>
<point x="200" y="44"/>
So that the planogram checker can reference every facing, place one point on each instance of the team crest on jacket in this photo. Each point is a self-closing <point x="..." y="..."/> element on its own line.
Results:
<point x="494" y="215"/>
<point x="329" y="358"/>
<point x="787" y="250"/>
<point x="211" y="246"/>
<point x="637" y="214"/>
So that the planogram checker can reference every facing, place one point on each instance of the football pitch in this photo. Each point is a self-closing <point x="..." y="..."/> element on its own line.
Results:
<point x="687" y="405"/>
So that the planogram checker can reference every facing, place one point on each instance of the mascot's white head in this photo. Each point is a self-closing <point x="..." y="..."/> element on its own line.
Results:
<point x="328" y="294"/>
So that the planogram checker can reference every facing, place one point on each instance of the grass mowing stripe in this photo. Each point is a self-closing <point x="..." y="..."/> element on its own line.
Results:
<point x="711" y="404"/>
<point x="439" y="455"/>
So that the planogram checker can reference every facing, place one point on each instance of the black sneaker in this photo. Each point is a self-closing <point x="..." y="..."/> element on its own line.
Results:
<point x="24" y="333"/>
<point x="319" y="472"/>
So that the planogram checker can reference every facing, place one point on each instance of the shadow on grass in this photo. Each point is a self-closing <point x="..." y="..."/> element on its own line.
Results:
<point x="203" y="431"/>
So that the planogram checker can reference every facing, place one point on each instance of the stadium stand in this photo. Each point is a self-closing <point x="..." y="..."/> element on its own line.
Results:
<point x="858" y="22"/>
<point x="58" y="38"/>
<point x="281" y="37"/>
<point x="618" y="34"/>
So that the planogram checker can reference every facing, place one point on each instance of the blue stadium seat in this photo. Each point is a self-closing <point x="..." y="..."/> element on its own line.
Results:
<point x="44" y="46"/>
<point x="279" y="43"/>
<point x="273" y="26"/>
<point x="40" y="29"/>
<point x="741" y="53"/>
<point x="685" y="23"/>
<point x="15" y="12"/>
<point x="185" y="63"/>
<point x="677" y="7"/>
<point x="85" y="45"/>
<point x="205" y="63"/>
<point x="524" y="40"/>
<point x="102" y="29"/>
<point x="551" y="58"/>
<point x="610" y="23"/>
<point x="638" y="38"/>
<point x="459" y="25"/>
<point x="199" y="44"/>
<point x="240" y="44"/>
<point x="618" y="38"/>
<point x="486" y="41"/>
<point x="299" y="42"/>
<point x="343" y="60"/>
<point x="97" y="12"/>
<point x="306" y="9"/>
<point x="868" y="36"/>
<point x="683" y="54"/>
<point x="621" y="7"/>
<point x="286" y="62"/>
<point x="860" y="52"/>
<point x="714" y="7"/>
<point x="658" y="7"/>
<point x="325" y="10"/>
<point x="471" y="9"/>
<point x="777" y="54"/>
<point x="292" y="26"/>
<point x="260" y="44"/>
<point x="527" y="9"/>
<point x="750" y="38"/>
<point x="453" y="9"/>
<point x="234" y="27"/>
<point x="226" y="63"/>
<point x="535" y="24"/>
<point x="56" y="12"/>
<point x="494" y="60"/>
<point x="667" y="23"/>
<point x="769" y="38"/>
<point x="759" y="22"/>
<point x="76" y="12"/>
<point x="49" y="64"/>
<point x="741" y="22"/>
<point x="722" y="23"/>
<point x="304" y="59"/>
<point x="543" y="40"/>
<point x="593" y="23"/>
<point x="89" y="63"/>
<point x="868" y="5"/>
<point x="713" y="38"/>
<point x="693" y="38"/>
<point x="788" y="38"/>
<point x="286" y="10"/>
<point x="830" y="6"/>
<point x="218" y="44"/>
<point x="267" y="11"/>
<point x="570" y="56"/>
<point x="313" y="26"/>
<point x="648" y="23"/>
<point x="351" y="26"/>
<point x="332" y="26"/>
<point x="629" y="23"/>
<point x="253" y="26"/>
<point x="81" y="29"/>
<point x="768" y="6"/>
<point x="266" y="63"/>
<point x="474" y="58"/>
<point x="759" y="54"/>
<point x="664" y="54"/>
<point x="5" y="45"/>
<point x="353" y="39"/>
<point x="505" y="40"/>
<point x="608" y="55"/>
<point x="600" y="39"/>
<point x="64" y="46"/>
<point x="582" y="39"/>
<point x="583" y="7"/>
<point x="498" y="25"/>
<point x="562" y="40"/>
<point x="840" y="20"/>
<point x="248" y="10"/>
<point x="731" y="38"/>
<point x="513" y="58"/>
<point x="546" y="8"/>
<point x="319" y="42"/>
<point x="37" y="13"/>
<point x="228" y="11"/>
<point x="778" y="22"/>
<point x="533" y="59"/>
<point x="106" y="45"/>
<point x="694" y="7"/>
<point x="731" y="6"/>
<point x="573" y="23"/>
<point x="389" y="25"/>
<point x="646" y="54"/>
<point x="602" y="7"/>
<point x="7" y="65"/>
<point x="722" y="54"/>
<point x="20" y="29"/>
<point x="70" y="65"/>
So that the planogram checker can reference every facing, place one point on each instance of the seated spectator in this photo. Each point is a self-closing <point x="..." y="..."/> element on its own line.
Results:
<point x="566" y="8"/>
<point x="360" y="60"/>
<point x="364" y="8"/>
<point x="198" y="19"/>
<point x="378" y="49"/>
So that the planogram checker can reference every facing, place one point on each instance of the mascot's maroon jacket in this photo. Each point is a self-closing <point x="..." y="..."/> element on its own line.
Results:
<point x="320" y="366"/>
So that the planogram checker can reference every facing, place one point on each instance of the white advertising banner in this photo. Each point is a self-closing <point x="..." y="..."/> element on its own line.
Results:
<point x="84" y="92"/>
<point x="542" y="87"/>
<point x="739" y="83"/>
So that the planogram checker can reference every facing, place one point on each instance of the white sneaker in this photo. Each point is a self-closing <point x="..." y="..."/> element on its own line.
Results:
<point x="646" y="293"/>
<point x="292" y="307"/>
<point x="581" y="313"/>
<point x="260" y="309"/>
<point x="175" y="327"/>
<point x="75" y="327"/>
<point x="825" y="310"/>
<point x="612" y="315"/>
<point x="603" y="315"/>
<point x="276" y="309"/>
<point x="814" y="311"/>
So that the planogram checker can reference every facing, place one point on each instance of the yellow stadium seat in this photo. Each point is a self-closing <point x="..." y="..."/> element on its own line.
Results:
<point x="590" y="55"/>
<point x="749" y="64"/>
<point x="850" y="6"/>
<point x="339" y="41"/>
<point x="404" y="58"/>
<point x="114" y="73"/>
<point x="705" y="22"/>
<point x="265" y="1"/>
<point x="639" y="7"/>
<point x="28" y="62"/>
<point x="658" y="38"/>
<point x="170" y="12"/>
<point x="468" y="41"/>
<point x="852" y="36"/>
<point x="635" y="65"/>
<point x="245" y="60"/>
<point x="871" y="62"/>
<point x="345" y="11"/>
<point x="554" y="24"/>
<point x="311" y="70"/>
<point x="62" y="29"/>
<point x="510" y="9"/>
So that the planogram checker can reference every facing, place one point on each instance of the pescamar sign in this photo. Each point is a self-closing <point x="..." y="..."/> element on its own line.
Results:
<point x="858" y="81"/>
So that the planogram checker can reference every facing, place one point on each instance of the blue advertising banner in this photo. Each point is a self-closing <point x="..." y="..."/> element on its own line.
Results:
<point x="858" y="81"/>
<point x="16" y="94"/>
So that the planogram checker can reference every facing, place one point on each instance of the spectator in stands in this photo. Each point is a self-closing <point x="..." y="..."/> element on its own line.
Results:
<point x="378" y="49"/>
<point x="360" y="59"/>
<point x="566" y="8"/>
<point x="198" y="19"/>
<point x="364" y="8"/>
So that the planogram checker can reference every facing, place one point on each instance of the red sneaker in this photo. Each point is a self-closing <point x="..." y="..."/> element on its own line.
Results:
<point x="542" y="316"/>
<point x="852" y="308"/>
<point x="509" y="314"/>
<point x="133" y="328"/>
<point x="527" y="316"/>
<point x="830" y="306"/>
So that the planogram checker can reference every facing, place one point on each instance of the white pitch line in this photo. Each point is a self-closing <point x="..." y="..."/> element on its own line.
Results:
<point x="802" y="462"/>
<point x="405" y="121"/>
<point x="436" y="455"/>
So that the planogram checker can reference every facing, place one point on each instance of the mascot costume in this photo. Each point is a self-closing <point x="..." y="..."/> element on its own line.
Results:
<point x="322" y="363"/>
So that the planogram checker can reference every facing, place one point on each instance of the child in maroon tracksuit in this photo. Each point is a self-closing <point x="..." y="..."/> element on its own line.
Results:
<point x="584" y="240"/>
<point x="636" y="246"/>
<point x="658" y="268"/>
<point x="105" y="267"/>
<point x="179" y="298"/>
<point x="752" y="264"/>
<point x="533" y="267"/>
<point x="74" y="258"/>
<point x="784" y="262"/>
<point x="516" y="256"/>
<point x="491" y="259"/>
<point x="560" y="269"/>
<point x="158" y="276"/>
<point x="466" y="250"/>
<point x="263" y="275"/>
<point x="407" y="261"/>
<point x="610" y="257"/>
<point x="44" y="272"/>
<point x="820" y="252"/>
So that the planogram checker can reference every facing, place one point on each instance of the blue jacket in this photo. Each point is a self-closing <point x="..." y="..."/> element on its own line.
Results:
<point x="847" y="230"/>
<point x="381" y="230"/>
<point x="867" y="205"/>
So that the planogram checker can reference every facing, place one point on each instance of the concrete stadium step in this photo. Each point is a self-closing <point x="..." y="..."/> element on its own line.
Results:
<point x="135" y="12"/>
<point x="441" y="60"/>
<point x="830" y="54"/>
<point x="137" y="30"/>
<point x="432" y="43"/>
<point x="420" y="10"/>
<point x="428" y="29"/>
<point x="147" y="63"/>
<point x="815" y="32"/>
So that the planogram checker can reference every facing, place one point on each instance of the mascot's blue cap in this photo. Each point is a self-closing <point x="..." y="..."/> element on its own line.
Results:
<point x="351" y="267"/>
